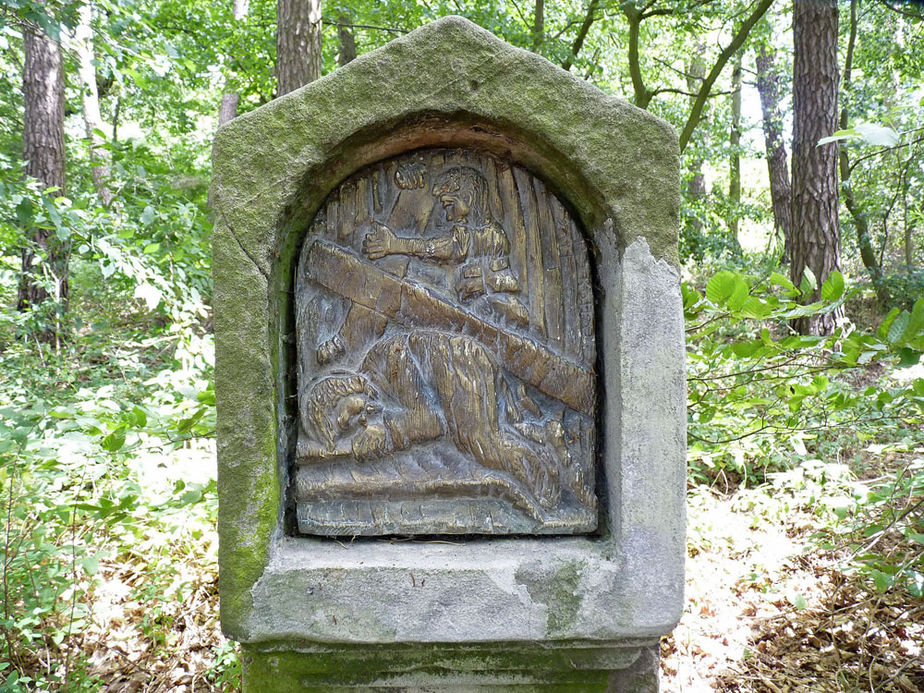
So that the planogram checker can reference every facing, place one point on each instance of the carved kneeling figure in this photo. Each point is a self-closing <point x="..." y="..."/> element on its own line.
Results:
<point x="421" y="386"/>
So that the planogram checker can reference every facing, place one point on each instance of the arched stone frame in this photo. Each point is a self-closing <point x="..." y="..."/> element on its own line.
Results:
<point x="452" y="84"/>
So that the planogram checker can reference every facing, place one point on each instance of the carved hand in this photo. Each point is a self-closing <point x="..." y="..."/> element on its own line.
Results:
<point x="380" y="242"/>
<point x="370" y="442"/>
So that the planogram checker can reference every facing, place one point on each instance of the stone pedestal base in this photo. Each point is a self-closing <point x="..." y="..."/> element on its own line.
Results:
<point x="630" y="667"/>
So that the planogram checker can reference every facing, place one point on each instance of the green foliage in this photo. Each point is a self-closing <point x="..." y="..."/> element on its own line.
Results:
<point x="83" y="423"/>
<point x="72" y="498"/>
<point x="762" y="398"/>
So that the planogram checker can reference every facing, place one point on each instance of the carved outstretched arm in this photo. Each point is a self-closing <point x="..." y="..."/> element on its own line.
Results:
<point x="383" y="241"/>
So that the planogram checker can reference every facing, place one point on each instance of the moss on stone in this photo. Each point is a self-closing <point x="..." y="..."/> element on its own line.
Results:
<point x="432" y="667"/>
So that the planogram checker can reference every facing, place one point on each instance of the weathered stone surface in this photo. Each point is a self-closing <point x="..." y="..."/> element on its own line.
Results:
<point x="568" y="667"/>
<point x="451" y="84"/>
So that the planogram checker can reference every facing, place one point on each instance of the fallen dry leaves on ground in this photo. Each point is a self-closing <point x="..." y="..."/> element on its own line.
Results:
<point x="766" y="610"/>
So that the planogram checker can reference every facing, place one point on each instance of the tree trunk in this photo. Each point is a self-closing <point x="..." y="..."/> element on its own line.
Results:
<point x="538" y="26"/>
<point x="734" y="163"/>
<point x="696" y="187"/>
<point x="815" y="235"/>
<point x="298" y="44"/>
<point x="777" y="165"/>
<point x="92" y="120"/>
<point x="44" y="261"/>
<point x="228" y="109"/>
<point x="854" y="208"/>
<point x="738" y="39"/>
<point x="230" y="99"/>
<point x="581" y="35"/>
<point x="641" y="95"/>
<point x="909" y="228"/>
<point x="347" y="42"/>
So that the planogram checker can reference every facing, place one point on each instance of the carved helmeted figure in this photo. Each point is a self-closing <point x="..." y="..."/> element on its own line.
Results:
<point x="422" y="385"/>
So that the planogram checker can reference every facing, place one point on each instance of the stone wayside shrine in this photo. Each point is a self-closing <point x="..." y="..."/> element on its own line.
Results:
<point x="450" y="377"/>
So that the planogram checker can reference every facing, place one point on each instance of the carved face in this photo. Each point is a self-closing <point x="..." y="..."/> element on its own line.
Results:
<point x="456" y="208"/>
<point x="456" y="193"/>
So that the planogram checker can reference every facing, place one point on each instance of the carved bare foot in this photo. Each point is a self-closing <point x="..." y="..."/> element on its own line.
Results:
<point x="330" y="350"/>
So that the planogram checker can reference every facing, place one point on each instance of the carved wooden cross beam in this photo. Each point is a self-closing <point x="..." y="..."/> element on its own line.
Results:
<point x="413" y="305"/>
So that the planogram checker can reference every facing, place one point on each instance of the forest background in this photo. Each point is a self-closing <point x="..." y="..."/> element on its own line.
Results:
<point x="802" y="242"/>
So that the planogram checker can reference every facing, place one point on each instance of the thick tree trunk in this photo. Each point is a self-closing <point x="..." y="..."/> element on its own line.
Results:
<point x="696" y="186"/>
<point x="734" y="162"/>
<point x="347" y="42"/>
<point x="298" y="44"/>
<point x="228" y="109"/>
<point x="89" y="95"/>
<point x="777" y="165"/>
<point x="43" y="151"/>
<point x="815" y="235"/>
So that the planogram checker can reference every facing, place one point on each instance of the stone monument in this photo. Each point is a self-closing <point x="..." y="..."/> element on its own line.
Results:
<point x="449" y="370"/>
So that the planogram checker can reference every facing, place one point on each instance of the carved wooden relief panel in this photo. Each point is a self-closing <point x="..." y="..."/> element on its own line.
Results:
<point x="446" y="384"/>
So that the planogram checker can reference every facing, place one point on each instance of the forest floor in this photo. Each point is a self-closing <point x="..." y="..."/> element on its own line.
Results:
<point x="766" y="609"/>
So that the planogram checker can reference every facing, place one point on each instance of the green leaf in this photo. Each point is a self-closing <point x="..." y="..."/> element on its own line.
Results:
<point x="897" y="328"/>
<point x="90" y="564"/>
<point x="185" y="425"/>
<point x="720" y="287"/>
<point x="883" y="581"/>
<point x="147" y="216"/>
<point x="908" y="357"/>
<point x="140" y="417"/>
<point x="886" y="323"/>
<point x="877" y="135"/>
<point x="833" y="288"/>
<point x="746" y="349"/>
<point x="114" y="440"/>
<point x="915" y="323"/>
<point x="193" y="495"/>
<point x="778" y="279"/>
<point x="25" y="212"/>
<point x="809" y="283"/>
<point x="839" y="136"/>
<point x="798" y="601"/>
<point x="739" y="294"/>
<point x="755" y="308"/>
